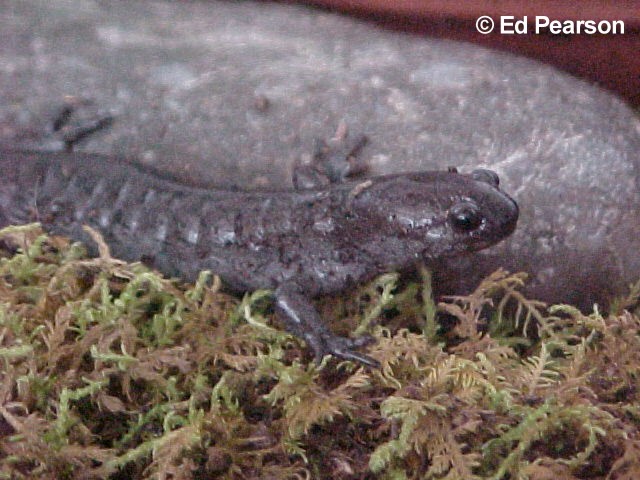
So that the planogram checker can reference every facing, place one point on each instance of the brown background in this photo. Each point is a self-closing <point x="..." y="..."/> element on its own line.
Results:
<point x="612" y="61"/>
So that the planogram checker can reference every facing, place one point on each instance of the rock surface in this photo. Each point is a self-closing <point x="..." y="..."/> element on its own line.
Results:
<point x="233" y="93"/>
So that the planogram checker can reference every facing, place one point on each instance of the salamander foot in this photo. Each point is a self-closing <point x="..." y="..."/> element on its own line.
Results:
<point x="71" y="122"/>
<point x="302" y="319"/>
<point x="332" y="161"/>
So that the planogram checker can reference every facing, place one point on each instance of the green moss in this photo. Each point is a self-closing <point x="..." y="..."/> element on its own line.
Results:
<point x="109" y="370"/>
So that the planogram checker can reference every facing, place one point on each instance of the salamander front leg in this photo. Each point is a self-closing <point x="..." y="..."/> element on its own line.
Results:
<point x="302" y="319"/>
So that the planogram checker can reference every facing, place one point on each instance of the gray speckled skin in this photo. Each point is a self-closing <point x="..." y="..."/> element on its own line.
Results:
<point x="189" y="81"/>
<point x="299" y="243"/>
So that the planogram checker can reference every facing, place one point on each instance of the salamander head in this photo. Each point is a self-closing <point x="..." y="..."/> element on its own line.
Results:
<point x="446" y="213"/>
<point x="483" y="215"/>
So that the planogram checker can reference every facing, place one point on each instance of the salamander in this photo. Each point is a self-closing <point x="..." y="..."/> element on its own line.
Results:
<point x="327" y="235"/>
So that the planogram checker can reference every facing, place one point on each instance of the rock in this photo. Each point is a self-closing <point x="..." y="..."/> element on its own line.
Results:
<point x="233" y="93"/>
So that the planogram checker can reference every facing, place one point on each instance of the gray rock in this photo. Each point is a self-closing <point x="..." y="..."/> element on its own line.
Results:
<point x="233" y="93"/>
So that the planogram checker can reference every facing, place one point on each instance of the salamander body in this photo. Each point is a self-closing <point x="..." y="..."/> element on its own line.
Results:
<point x="300" y="243"/>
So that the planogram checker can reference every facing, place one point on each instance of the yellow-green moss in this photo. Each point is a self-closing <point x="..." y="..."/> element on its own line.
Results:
<point x="108" y="370"/>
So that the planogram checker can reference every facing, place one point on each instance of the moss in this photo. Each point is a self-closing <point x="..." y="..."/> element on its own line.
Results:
<point x="109" y="370"/>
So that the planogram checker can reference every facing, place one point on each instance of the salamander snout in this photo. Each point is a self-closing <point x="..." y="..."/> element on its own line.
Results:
<point x="489" y="215"/>
<point x="511" y="216"/>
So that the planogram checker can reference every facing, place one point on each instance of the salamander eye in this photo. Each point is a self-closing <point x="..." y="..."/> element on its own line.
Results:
<point x="465" y="216"/>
